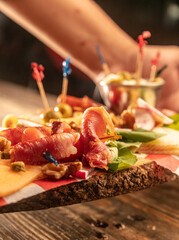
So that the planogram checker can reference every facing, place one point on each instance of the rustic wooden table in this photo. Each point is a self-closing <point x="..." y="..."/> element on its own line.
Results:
<point x="149" y="214"/>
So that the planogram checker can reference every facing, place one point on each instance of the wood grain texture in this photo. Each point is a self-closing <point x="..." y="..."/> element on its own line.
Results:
<point x="152" y="214"/>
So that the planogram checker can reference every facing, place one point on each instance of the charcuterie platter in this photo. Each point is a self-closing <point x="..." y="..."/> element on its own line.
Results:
<point x="92" y="181"/>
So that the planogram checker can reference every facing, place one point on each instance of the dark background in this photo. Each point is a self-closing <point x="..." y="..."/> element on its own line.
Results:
<point x="18" y="48"/>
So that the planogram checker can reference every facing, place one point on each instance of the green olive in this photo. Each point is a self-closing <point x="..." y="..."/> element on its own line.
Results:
<point x="10" y="121"/>
<point x="50" y="114"/>
<point x="64" y="109"/>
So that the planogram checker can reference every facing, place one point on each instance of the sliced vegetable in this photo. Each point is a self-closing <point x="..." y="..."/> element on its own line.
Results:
<point x="122" y="159"/>
<point x="174" y="125"/>
<point x="143" y="118"/>
<point x="121" y="145"/>
<point x="175" y="117"/>
<point x="160" y="117"/>
<point x="122" y="153"/>
<point x="138" y="135"/>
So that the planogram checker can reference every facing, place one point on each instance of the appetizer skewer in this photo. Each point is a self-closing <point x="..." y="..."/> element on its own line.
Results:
<point x="66" y="73"/>
<point x="103" y="62"/>
<point x="38" y="75"/>
<point x="141" y="42"/>
<point x="154" y="67"/>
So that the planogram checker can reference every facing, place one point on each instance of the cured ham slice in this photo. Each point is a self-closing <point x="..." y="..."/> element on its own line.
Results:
<point x="15" y="135"/>
<point x="59" y="145"/>
<point x="32" y="133"/>
<point x="84" y="102"/>
<point x="61" y="127"/>
<point x="94" y="127"/>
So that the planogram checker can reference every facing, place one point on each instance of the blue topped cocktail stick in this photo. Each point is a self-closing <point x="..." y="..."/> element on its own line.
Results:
<point x="101" y="58"/>
<point x="49" y="157"/>
<point x="66" y="68"/>
<point x="66" y="72"/>
<point x="103" y="62"/>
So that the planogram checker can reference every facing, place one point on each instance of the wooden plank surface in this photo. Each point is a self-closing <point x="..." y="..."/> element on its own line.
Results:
<point x="136" y="216"/>
<point x="148" y="214"/>
<point x="18" y="100"/>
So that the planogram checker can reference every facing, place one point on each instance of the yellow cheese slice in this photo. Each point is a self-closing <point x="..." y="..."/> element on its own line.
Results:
<point x="5" y="162"/>
<point x="141" y="160"/>
<point x="11" y="181"/>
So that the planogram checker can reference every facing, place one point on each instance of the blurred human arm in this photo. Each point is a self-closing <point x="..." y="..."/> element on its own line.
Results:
<point x="169" y="55"/>
<point x="75" y="28"/>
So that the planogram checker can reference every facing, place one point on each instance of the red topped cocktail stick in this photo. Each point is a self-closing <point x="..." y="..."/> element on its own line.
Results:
<point x="141" y="43"/>
<point x="103" y="62"/>
<point x="154" y="67"/>
<point x="38" y="75"/>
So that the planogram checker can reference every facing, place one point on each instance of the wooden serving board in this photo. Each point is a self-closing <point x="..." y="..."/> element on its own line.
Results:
<point x="105" y="184"/>
<point x="142" y="176"/>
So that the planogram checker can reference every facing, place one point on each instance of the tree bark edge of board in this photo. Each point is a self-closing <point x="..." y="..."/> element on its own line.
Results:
<point x="97" y="187"/>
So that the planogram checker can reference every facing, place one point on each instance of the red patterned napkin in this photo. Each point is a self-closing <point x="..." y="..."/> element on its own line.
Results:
<point x="167" y="161"/>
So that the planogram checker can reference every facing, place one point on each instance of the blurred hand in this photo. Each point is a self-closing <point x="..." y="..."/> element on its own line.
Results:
<point x="169" y="55"/>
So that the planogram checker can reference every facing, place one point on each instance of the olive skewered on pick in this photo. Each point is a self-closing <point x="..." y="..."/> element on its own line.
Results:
<point x="63" y="110"/>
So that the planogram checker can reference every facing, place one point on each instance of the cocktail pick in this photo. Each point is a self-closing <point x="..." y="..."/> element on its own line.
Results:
<point x="141" y="43"/>
<point x="38" y="75"/>
<point x="161" y="70"/>
<point x="154" y="67"/>
<point x="66" y="73"/>
<point x="49" y="157"/>
<point x="103" y="63"/>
